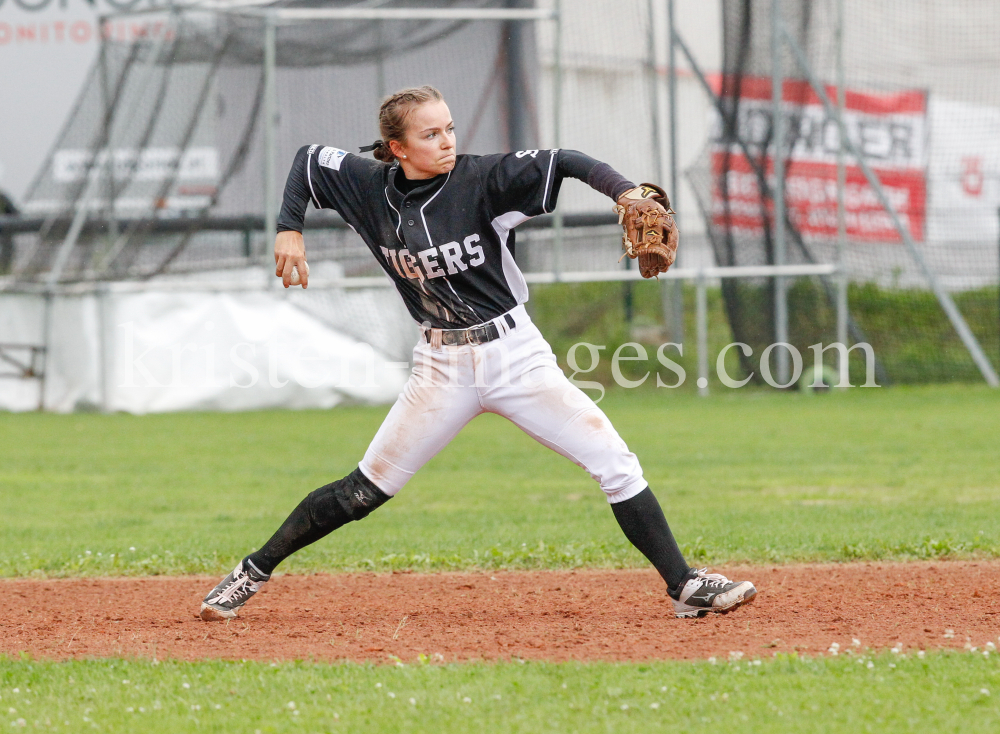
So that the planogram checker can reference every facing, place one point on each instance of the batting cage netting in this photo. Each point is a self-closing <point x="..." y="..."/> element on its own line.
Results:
<point x="162" y="178"/>
<point x="165" y="149"/>
<point x="921" y="104"/>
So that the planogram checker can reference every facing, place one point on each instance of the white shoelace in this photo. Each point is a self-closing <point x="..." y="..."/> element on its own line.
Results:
<point x="242" y="585"/>
<point x="712" y="579"/>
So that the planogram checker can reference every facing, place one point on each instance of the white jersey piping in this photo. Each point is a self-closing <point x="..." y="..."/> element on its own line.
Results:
<point x="548" y="178"/>
<point x="309" y="178"/>
<point x="399" y="217"/>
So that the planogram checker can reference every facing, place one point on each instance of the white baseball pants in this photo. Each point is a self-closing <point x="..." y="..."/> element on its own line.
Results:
<point x="515" y="376"/>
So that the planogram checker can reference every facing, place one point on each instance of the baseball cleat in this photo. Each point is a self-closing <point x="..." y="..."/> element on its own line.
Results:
<point x="702" y="592"/>
<point x="225" y="600"/>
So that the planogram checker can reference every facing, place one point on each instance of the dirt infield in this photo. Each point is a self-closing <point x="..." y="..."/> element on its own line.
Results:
<point x="547" y="615"/>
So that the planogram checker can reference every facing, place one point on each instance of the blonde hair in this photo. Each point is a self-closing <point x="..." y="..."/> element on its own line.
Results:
<point x="394" y="116"/>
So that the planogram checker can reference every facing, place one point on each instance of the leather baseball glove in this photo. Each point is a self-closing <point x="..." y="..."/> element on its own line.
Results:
<point x="650" y="231"/>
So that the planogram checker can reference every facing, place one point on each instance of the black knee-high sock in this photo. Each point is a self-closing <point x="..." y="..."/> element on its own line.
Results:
<point x="643" y="523"/>
<point x="352" y="498"/>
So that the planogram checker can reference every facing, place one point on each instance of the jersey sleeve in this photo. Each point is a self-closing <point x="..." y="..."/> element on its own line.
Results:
<point x="527" y="181"/>
<point x="330" y="178"/>
<point x="599" y="176"/>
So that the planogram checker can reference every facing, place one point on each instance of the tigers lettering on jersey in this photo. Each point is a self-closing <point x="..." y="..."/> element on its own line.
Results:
<point x="451" y="258"/>
<point x="447" y="243"/>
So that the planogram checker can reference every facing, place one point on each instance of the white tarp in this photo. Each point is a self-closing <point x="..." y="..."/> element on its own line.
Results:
<point x="169" y="348"/>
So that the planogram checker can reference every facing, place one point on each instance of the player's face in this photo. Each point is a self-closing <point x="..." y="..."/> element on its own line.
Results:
<point x="430" y="141"/>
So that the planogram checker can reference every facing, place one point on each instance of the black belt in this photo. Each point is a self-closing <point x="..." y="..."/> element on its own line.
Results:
<point x="473" y="335"/>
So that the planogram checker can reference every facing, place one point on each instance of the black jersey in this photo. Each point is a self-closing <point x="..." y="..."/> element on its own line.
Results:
<point x="447" y="244"/>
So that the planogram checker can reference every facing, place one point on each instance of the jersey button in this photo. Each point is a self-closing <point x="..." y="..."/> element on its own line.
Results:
<point x="410" y="222"/>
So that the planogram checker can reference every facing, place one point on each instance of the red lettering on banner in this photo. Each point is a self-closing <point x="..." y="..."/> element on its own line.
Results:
<point x="78" y="32"/>
<point x="972" y="176"/>
<point x="811" y="199"/>
<point x="887" y="128"/>
<point x="81" y="31"/>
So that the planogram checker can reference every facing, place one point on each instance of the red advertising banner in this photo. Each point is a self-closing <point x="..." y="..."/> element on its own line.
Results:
<point x="889" y="128"/>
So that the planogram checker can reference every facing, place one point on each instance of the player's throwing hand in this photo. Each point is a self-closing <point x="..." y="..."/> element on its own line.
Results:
<point x="290" y="259"/>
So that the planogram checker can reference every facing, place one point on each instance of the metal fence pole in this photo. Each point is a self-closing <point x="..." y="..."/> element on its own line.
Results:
<point x="104" y="342"/>
<point x="47" y="298"/>
<point x="557" y="72"/>
<point x="655" y="99"/>
<point x="270" y="134"/>
<point x="842" y="276"/>
<point x="778" y="135"/>
<point x="518" y="126"/>
<point x="701" y="306"/>
<point x="380" y="61"/>
<point x="109" y="179"/>
<point x="676" y="289"/>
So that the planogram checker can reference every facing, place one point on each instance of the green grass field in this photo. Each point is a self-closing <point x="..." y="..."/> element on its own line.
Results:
<point x="745" y="476"/>
<point x="863" y="693"/>
<point x="900" y="473"/>
<point x="907" y="328"/>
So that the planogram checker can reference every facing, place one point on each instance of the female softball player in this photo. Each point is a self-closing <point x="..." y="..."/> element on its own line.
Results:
<point x="441" y="225"/>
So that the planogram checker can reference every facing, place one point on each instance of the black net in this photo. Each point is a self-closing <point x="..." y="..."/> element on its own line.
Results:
<point x="923" y="106"/>
<point x="164" y="152"/>
<point x="158" y="175"/>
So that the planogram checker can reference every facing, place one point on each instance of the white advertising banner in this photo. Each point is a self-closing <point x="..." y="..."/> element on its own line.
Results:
<point x="149" y="164"/>
<point x="964" y="201"/>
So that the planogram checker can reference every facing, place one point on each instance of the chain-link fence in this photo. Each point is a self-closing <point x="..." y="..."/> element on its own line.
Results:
<point x="170" y="167"/>
<point x="921" y="103"/>
<point x="163" y="157"/>
<point x="161" y="171"/>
